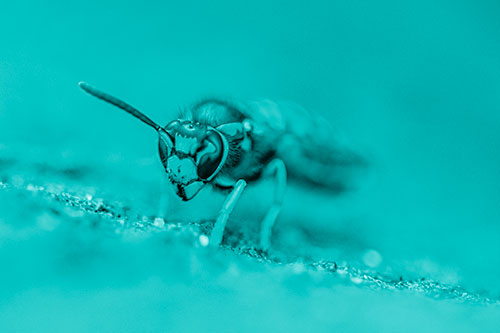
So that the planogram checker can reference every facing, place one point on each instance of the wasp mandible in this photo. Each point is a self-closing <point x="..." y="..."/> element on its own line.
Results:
<point x="228" y="144"/>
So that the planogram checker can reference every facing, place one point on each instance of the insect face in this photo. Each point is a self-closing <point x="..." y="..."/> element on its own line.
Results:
<point x="192" y="155"/>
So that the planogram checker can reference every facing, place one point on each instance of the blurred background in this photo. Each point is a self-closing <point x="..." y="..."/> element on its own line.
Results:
<point x="414" y="86"/>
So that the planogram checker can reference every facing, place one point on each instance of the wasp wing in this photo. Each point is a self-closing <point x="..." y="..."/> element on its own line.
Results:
<point x="307" y="144"/>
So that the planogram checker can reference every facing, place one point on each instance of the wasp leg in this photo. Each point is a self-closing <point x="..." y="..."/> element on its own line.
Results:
<point x="277" y="169"/>
<point x="227" y="208"/>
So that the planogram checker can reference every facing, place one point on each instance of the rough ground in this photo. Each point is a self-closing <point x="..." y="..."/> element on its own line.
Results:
<point x="81" y="252"/>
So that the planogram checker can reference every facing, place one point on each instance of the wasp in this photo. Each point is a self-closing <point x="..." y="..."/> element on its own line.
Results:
<point x="230" y="144"/>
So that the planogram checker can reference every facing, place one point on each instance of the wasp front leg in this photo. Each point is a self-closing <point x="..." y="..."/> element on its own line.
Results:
<point x="277" y="169"/>
<point x="227" y="208"/>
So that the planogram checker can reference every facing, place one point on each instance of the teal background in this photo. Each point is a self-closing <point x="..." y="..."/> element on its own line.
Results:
<point x="413" y="85"/>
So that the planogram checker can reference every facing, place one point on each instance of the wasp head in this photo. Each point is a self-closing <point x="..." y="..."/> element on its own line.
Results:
<point x="192" y="155"/>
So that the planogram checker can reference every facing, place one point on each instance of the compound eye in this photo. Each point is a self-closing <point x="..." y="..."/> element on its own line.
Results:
<point x="211" y="157"/>
<point x="173" y="125"/>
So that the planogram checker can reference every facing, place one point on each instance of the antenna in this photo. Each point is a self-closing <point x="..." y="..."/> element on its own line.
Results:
<point x="121" y="104"/>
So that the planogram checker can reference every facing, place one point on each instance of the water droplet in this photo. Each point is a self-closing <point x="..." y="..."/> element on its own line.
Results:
<point x="158" y="222"/>
<point x="372" y="258"/>
<point x="203" y="240"/>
